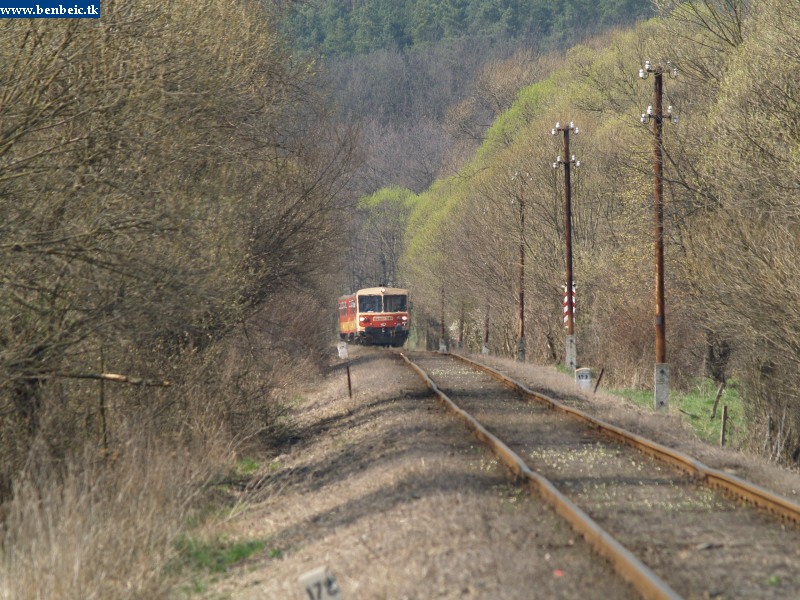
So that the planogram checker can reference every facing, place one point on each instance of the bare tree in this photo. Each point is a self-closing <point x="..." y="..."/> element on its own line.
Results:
<point x="160" y="178"/>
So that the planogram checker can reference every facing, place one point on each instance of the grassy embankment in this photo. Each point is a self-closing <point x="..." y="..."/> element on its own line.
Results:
<point x="695" y="407"/>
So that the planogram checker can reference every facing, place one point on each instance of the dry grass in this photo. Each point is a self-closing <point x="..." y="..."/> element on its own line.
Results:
<point x="103" y="524"/>
<point x="106" y="524"/>
<point x="104" y="528"/>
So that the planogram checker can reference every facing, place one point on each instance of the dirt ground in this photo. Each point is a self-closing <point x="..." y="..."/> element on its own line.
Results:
<point x="388" y="492"/>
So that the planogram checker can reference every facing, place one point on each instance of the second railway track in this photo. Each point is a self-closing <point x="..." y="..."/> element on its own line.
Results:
<point x="661" y="525"/>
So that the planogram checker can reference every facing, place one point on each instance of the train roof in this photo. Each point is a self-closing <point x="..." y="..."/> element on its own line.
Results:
<point x="378" y="291"/>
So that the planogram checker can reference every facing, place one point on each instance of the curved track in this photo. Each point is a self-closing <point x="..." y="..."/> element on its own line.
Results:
<point x="654" y="513"/>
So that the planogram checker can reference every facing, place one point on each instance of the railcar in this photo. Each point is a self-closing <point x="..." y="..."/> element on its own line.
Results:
<point x="375" y="316"/>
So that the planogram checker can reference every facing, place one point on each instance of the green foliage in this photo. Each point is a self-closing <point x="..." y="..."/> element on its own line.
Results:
<point x="380" y="237"/>
<point x="514" y="122"/>
<point x="695" y="407"/>
<point x="733" y="226"/>
<point x="430" y="213"/>
<point x="400" y="197"/>
<point x="214" y="557"/>
<point x="246" y="466"/>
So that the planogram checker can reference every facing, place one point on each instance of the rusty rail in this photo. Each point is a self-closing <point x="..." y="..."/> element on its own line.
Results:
<point x="624" y="562"/>
<point x="739" y="488"/>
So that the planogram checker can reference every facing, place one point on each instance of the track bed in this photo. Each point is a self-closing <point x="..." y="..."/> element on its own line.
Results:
<point x="697" y="540"/>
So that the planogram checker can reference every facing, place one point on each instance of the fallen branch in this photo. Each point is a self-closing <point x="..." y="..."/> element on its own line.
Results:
<point x="114" y="377"/>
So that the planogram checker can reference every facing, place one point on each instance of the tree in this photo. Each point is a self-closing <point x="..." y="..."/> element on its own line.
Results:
<point x="143" y="216"/>
<point x="746" y="239"/>
<point x="378" y="245"/>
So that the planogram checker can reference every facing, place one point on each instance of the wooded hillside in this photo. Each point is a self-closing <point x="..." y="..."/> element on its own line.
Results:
<point x="422" y="80"/>
<point x="731" y="183"/>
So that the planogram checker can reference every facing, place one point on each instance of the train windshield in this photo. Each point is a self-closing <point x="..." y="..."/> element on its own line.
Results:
<point x="369" y="304"/>
<point x="394" y="303"/>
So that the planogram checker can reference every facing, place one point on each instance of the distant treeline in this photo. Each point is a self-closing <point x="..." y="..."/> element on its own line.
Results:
<point x="337" y="27"/>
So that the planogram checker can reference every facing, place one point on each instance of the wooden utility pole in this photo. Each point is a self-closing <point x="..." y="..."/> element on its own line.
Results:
<point x="442" y="339"/>
<point x="521" y="317"/>
<point x="655" y="113"/>
<point x="568" y="160"/>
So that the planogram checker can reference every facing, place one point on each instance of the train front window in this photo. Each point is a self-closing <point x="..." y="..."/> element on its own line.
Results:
<point x="394" y="303"/>
<point x="369" y="304"/>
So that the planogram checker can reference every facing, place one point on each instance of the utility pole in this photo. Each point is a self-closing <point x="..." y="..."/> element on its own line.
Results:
<point x="568" y="160"/>
<point x="486" y="322"/>
<point x="524" y="178"/>
<point x="442" y="339"/>
<point x="521" y="320"/>
<point x="655" y="114"/>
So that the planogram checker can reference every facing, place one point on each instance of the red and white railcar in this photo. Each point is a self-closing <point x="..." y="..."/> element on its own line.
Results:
<point x="374" y="316"/>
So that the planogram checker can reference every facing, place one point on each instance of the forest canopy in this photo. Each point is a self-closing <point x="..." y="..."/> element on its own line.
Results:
<point x="337" y="27"/>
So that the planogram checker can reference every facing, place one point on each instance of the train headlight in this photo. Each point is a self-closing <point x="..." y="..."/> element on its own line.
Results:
<point x="404" y="318"/>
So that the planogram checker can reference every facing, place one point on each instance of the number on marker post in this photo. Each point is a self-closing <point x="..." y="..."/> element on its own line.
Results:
<point x="320" y="584"/>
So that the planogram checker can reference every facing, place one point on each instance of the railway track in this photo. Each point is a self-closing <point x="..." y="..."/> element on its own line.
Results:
<point x="669" y="524"/>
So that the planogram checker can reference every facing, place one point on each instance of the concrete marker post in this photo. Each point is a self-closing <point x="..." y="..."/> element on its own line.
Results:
<point x="583" y="377"/>
<point x="320" y="584"/>
<point x="661" y="386"/>
<point x="571" y="353"/>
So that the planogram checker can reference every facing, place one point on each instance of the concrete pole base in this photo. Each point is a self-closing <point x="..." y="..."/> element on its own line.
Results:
<point x="521" y="349"/>
<point x="571" y="360"/>
<point x="662" y="386"/>
<point x="443" y="347"/>
<point x="485" y="350"/>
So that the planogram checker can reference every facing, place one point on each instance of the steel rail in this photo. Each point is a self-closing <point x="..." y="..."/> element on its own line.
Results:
<point x="730" y="484"/>
<point x="643" y="579"/>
